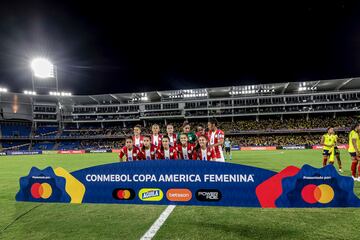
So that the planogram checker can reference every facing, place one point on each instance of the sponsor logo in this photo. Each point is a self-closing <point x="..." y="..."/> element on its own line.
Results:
<point x="341" y="146"/>
<point x="317" y="147"/>
<point x="49" y="152"/>
<point x="208" y="195"/>
<point x="100" y="151"/>
<point x="2" y="153"/>
<point x="123" y="194"/>
<point x="289" y="147"/>
<point x="23" y="152"/>
<point x="317" y="194"/>
<point x="179" y="195"/>
<point x="258" y="148"/>
<point x="71" y="151"/>
<point x="151" y="194"/>
<point x="41" y="190"/>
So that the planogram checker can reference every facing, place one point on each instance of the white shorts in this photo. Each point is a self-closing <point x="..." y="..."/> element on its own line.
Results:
<point x="221" y="159"/>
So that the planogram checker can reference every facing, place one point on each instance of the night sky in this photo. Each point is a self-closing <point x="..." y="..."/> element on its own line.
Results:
<point x="105" y="48"/>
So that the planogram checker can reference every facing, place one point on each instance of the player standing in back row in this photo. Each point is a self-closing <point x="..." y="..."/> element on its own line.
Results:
<point x="216" y="137"/>
<point x="354" y="150"/>
<point x="329" y="141"/>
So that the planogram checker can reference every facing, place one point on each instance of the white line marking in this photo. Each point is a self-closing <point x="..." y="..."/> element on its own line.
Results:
<point x="158" y="223"/>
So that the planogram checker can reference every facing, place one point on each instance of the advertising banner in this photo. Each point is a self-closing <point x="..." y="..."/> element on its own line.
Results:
<point x="49" y="152"/>
<point x="187" y="182"/>
<point x="71" y="151"/>
<point x="235" y="147"/>
<point x="258" y="148"/>
<point x="341" y="146"/>
<point x="24" y="152"/>
<point x="98" y="151"/>
<point x="293" y="147"/>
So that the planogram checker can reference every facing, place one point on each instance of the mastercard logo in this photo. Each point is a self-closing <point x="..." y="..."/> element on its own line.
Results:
<point x="41" y="190"/>
<point x="123" y="194"/>
<point x="317" y="194"/>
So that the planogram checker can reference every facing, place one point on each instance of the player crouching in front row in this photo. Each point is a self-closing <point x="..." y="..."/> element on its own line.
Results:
<point x="129" y="151"/>
<point x="166" y="151"/>
<point x="205" y="153"/>
<point x="185" y="149"/>
<point x="148" y="150"/>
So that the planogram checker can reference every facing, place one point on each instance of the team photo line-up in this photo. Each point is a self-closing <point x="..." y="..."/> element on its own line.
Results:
<point x="208" y="145"/>
<point x="202" y="145"/>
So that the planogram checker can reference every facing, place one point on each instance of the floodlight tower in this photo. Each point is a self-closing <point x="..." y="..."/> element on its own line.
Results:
<point x="43" y="71"/>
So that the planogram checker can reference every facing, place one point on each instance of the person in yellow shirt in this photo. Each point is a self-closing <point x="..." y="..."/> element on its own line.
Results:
<point x="354" y="147"/>
<point x="337" y="153"/>
<point x="328" y="141"/>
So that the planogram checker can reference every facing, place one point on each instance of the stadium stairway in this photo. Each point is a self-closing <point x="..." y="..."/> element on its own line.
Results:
<point x="56" y="146"/>
<point x="18" y="146"/>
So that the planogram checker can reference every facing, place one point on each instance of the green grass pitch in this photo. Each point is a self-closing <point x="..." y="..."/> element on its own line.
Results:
<point x="99" y="221"/>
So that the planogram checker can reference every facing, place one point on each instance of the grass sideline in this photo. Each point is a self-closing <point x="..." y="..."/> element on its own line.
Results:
<point x="99" y="221"/>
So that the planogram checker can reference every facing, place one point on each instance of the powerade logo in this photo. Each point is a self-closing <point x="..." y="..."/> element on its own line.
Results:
<point x="208" y="195"/>
<point x="150" y="194"/>
<point x="123" y="194"/>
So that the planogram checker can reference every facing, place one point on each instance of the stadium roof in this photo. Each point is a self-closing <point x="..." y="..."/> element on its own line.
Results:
<point x="219" y="92"/>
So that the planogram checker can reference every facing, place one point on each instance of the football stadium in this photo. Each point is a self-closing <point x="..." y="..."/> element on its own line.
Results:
<point x="270" y="126"/>
<point x="154" y="121"/>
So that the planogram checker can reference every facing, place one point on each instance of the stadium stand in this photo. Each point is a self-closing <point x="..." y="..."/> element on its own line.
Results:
<point x="15" y="129"/>
<point x="46" y="131"/>
<point x="255" y="115"/>
<point x="15" y="145"/>
<point x="43" y="146"/>
<point x="69" y="145"/>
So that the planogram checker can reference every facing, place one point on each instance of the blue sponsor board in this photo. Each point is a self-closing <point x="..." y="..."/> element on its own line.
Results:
<point x="187" y="182"/>
<point x="235" y="147"/>
<point x="23" y="152"/>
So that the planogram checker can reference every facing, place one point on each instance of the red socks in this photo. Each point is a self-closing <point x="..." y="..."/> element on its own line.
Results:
<point x="353" y="168"/>
<point x="324" y="162"/>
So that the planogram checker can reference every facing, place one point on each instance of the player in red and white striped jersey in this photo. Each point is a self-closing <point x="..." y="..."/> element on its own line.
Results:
<point x="137" y="138"/>
<point x="129" y="151"/>
<point x="185" y="149"/>
<point x="216" y="139"/>
<point x="166" y="152"/>
<point x="172" y="136"/>
<point x="200" y="130"/>
<point x="148" y="150"/>
<point x="156" y="137"/>
<point x="204" y="153"/>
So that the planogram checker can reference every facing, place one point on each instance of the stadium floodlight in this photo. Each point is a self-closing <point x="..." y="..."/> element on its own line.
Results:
<point x="54" y="93"/>
<point x="66" y="94"/>
<point x="42" y="68"/>
<point x="3" y="90"/>
<point x="63" y="94"/>
<point x="29" y="92"/>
